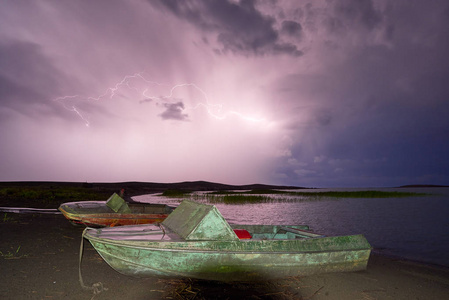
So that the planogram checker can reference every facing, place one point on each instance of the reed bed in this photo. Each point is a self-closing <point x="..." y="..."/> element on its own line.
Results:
<point x="175" y="193"/>
<point x="357" y="194"/>
<point x="271" y="196"/>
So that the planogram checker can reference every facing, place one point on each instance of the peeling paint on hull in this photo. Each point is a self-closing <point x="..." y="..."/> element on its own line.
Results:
<point x="239" y="265"/>
<point x="97" y="214"/>
<point x="195" y="241"/>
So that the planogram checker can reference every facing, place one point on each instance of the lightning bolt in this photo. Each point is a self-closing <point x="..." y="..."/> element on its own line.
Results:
<point x="213" y="110"/>
<point x="210" y="107"/>
<point x="72" y="108"/>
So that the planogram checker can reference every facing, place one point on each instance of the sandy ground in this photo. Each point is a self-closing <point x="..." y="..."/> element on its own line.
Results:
<point x="40" y="255"/>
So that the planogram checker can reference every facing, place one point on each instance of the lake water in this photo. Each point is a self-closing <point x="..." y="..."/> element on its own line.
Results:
<point x="415" y="228"/>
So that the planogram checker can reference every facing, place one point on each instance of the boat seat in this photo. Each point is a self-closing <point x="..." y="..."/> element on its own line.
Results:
<point x="243" y="234"/>
<point x="118" y="204"/>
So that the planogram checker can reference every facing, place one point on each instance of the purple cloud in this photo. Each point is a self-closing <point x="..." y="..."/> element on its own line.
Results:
<point x="314" y="93"/>
<point x="239" y="26"/>
<point x="174" y="111"/>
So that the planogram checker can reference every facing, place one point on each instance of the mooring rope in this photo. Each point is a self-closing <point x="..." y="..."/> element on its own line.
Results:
<point x="163" y="231"/>
<point x="98" y="287"/>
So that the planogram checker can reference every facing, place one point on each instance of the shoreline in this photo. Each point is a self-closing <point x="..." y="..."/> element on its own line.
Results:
<point x="43" y="260"/>
<point x="39" y="259"/>
<point x="405" y="260"/>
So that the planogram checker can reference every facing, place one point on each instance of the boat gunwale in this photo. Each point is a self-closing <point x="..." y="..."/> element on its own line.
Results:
<point x="74" y="215"/>
<point x="178" y="245"/>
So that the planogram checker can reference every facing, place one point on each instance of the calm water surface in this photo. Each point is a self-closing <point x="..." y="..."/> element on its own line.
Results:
<point x="415" y="228"/>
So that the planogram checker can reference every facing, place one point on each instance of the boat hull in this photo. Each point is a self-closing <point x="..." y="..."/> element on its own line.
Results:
<point x="114" y="220"/>
<point x="97" y="214"/>
<point x="250" y="260"/>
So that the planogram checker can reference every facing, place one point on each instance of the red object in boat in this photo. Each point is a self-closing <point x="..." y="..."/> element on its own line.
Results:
<point x="242" y="234"/>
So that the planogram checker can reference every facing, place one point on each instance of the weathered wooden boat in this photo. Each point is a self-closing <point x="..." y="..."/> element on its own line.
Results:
<point x="114" y="212"/>
<point x="196" y="241"/>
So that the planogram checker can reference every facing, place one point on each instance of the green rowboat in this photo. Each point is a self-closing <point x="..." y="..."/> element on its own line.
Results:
<point x="195" y="241"/>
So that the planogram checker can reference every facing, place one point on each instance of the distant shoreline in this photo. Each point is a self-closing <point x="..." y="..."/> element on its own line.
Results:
<point x="422" y="186"/>
<point x="134" y="188"/>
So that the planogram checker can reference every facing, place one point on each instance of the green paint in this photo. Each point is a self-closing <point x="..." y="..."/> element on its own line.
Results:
<point x="193" y="221"/>
<point x="191" y="246"/>
<point x="117" y="204"/>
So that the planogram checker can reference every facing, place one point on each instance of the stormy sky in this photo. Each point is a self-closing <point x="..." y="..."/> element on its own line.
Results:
<point x="323" y="93"/>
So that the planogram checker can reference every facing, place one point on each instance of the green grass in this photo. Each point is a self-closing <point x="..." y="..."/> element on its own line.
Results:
<point x="252" y="192"/>
<point x="175" y="193"/>
<point x="237" y="199"/>
<point x="50" y="193"/>
<point x="48" y="196"/>
<point x="12" y="254"/>
<point x="264" y="196"/>
<point x="7" y="218"/>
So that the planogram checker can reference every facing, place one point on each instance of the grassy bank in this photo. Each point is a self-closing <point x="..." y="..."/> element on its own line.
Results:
<point x="52" y="194"/>
<point x="175" y="193"/>
<point x="48" y="196"/>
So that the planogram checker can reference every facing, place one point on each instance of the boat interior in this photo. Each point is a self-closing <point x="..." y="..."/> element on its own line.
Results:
<point x="277" y="232"/>
<point x="243" y="232"/>
<point x="96" y="207"/>
<point x="192" y="221"/>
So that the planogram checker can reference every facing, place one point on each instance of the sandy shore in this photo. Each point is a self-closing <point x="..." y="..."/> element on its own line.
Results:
<point x="40" y="255"/>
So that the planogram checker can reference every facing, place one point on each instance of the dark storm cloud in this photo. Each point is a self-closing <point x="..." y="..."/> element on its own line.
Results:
<point x="174" y="111"/>
<point x="27" y="78"/>
<point x="291" y="28"/>
<point x="378" y="116"/>
<point x="367" y="106"/>
<point x="240" y="27"/>
<point x="358" y="12"/>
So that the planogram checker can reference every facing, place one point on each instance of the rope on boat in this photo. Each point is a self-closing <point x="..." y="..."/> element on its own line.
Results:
<point x="163" y="231"/>
<point x="98" y="287"/>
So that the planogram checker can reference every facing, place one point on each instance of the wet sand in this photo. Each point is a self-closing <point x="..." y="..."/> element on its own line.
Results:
<point x="40" y="256"/>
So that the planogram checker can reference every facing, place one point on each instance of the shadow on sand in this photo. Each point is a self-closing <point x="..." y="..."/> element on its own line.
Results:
<point x="201" y="289"/>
